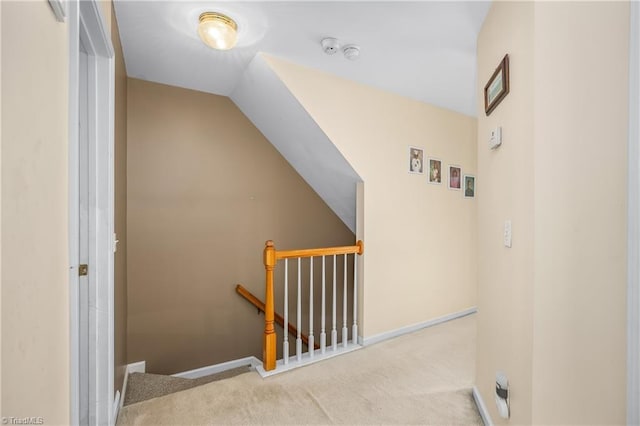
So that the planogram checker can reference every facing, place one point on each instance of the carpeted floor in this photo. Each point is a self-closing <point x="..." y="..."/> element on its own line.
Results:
<point x="420" y="378"/>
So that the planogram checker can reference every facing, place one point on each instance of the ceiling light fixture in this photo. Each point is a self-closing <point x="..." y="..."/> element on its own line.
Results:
<point x="217" y="30"/>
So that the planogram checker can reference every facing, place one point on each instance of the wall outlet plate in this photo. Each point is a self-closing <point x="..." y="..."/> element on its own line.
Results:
<point x="507" y="233"/>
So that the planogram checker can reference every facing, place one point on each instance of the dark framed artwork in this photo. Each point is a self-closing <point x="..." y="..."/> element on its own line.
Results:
<point x="469" y="186"/>
<point x="497" y="87"/>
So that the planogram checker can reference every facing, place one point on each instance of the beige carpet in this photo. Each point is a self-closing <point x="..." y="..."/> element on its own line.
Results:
<point x="421" y="378"/>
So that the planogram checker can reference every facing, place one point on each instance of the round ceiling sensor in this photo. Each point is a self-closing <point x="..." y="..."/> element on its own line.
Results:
<point x="330" y="45"/>
<point x="351" y="52"/>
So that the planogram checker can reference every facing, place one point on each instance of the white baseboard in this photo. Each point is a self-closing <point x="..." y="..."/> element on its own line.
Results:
<point x="484" y="413"/>
<point x="136" y="367"/>
<point x="219" y="368"/>
<point x="414" y="327"/>
<point x="115" y="408"/>
<point x="293" y="363"/>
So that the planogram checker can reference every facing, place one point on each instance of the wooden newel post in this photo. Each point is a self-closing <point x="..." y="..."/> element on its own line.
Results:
<point x="269" y="346"/>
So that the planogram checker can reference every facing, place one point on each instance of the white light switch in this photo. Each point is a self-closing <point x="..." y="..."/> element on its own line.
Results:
<point x="495" y="138"/>
<point x="507" y="233"/>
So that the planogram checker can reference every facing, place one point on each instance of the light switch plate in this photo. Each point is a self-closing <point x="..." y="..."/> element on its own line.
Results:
<point x="495" y="138"/>
<point x="507" y="233"/>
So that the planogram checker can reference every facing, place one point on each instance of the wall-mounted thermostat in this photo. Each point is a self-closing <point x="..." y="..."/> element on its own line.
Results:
<point x="495" y="138"/>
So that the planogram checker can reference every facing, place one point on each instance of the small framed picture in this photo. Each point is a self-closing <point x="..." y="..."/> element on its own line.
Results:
<point x="455" y="174"/>
<point x="469" y="186"/>
<point x="497" y="87"/>
<point x="435" y="171"/>
<point x="416" y="160"/>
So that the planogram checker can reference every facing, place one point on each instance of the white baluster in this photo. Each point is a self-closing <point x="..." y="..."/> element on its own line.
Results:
<point x="334" y="332"/>
<point x="354" y="330"/>
<point x="310" y="344"/>
<point x="323" y="335"/>
<point x="285" y="343"/>
<point x="345" y="330"/>
<point x="298" y="321"/>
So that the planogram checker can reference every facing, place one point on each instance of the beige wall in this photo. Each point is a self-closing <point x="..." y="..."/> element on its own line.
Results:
<point x="36" y="181"/>
<point x="120" y="284"/>
<point x="552" y="308"/>
<point x="35" y="297"/>
<point x="581" y="119"/>
<point x="420" y="239"/>
<point x="205" y="191"/>
<point x="505" y="275"/>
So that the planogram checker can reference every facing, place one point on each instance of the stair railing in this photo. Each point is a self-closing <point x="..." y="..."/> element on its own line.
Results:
<point x="271" y="258"/>
<point x="249" y="297"/>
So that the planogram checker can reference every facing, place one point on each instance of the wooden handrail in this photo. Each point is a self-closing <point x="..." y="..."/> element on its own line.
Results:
<point x="278" y="318"/>
<point x="327" y="251"/>
<point x="271" y="257"/>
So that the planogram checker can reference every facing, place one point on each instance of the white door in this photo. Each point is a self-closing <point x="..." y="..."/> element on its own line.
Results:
<point x="91" y="84"/>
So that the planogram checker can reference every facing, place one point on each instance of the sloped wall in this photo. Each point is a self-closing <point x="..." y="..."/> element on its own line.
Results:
<point x="420" y="257"/>
<point x="205" y="191"/>
<point x="297" y="137"/>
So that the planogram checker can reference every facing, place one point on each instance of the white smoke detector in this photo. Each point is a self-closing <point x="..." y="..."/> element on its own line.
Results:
<point x="351" y="52"/>
<point x="330" y="45"/>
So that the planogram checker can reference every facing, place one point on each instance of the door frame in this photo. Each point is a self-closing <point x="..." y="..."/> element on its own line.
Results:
<point x="633" y="268"/>
<point x="85" y="18"/>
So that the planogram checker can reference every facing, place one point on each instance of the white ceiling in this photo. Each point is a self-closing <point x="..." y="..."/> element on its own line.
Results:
<point x="422" y="50"/>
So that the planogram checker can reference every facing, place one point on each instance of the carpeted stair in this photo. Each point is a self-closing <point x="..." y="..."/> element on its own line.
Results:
<point x="144" y="386"/>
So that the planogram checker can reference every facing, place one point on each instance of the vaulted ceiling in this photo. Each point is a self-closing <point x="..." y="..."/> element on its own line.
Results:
<point x="421" y="50"/>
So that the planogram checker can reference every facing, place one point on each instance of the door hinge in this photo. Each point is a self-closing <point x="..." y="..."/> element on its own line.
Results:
<point x="83" y="270"/>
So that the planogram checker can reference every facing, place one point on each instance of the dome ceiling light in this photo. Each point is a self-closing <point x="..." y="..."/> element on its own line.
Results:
<point x="217" y="30"/>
